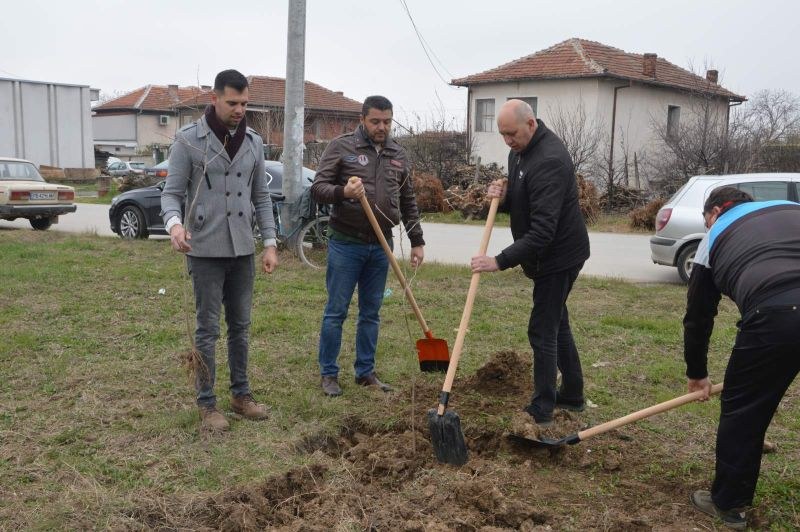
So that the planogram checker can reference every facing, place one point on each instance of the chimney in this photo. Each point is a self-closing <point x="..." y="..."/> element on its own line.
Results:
<point x="205" y="87"/>
<point x="172" y="91"/>
<point x="340" y="93"/>
<point x="649" y="65"/>
<point x="712" y="76"/>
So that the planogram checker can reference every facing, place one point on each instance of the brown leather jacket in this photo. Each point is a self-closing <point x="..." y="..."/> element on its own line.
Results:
<point x="387" y="182"/>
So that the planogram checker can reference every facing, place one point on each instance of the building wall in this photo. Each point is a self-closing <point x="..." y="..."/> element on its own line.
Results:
<point x="150" y="131"/>
<point x="639" y="109"/>
<point x="46" y="123"/>
<point x="121" y="127"/>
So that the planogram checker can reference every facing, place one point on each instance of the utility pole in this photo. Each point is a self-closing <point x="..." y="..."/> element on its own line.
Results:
<point x="294" y="111"/>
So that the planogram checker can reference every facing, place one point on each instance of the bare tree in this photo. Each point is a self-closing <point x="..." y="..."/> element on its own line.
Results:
<point x="582" y="135"/>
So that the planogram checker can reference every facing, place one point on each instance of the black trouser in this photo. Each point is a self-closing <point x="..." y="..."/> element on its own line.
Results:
<point x="553" y="346"/>
<point x="764" y="362"/>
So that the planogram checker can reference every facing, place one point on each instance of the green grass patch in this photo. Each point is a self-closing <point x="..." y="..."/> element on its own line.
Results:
<point x="97" y="417"/>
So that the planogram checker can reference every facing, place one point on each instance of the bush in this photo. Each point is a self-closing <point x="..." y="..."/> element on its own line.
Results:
<point x="471" y="201"/>
<point x="430" y="193"/>
<point x="589" y="199"/>
<point x="645" y="217"/>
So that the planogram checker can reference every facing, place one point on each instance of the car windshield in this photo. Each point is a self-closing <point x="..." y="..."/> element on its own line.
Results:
<point x="162" y="164"/>
<point x="137" y="165"/>
<point x="19" y="170"/>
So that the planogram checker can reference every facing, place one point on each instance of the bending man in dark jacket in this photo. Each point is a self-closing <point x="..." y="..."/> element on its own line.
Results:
<point x="355" y="256"/>
<point x="550" y="243"/>
<point x="751" y="254"/>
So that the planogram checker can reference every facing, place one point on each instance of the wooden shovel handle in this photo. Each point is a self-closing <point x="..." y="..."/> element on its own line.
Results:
<point x="393" y="261"/>
<point x="473" y="289"/>
<point x="647" y="412"/>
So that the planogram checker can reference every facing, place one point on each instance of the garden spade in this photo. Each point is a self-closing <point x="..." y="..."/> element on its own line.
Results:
<point x="445" y="427"/>
<point x="616" y="423"/>
<point x="432" y="353"/>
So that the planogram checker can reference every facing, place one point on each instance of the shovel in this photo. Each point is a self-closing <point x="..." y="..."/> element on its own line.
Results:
<point x="619" y="422"/>
<point x="432" y="353"/>
<point x="445" y="427"/>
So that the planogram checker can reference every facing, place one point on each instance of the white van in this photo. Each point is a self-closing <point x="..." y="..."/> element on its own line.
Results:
<point x="680" y="225"/>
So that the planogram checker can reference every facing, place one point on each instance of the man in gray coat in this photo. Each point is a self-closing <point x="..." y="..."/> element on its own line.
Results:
<point x="216" y="169"/>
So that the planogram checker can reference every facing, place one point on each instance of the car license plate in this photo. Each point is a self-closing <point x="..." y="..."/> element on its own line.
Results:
<point x="43" y="195"/>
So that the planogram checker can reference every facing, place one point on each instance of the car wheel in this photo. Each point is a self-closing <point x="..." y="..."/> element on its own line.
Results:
<point x="131" y="223"/>
<point x="686" y="260"/>
<point x="41" y="224"/>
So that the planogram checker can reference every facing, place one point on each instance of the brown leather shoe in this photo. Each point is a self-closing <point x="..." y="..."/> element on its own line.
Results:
<point x="211" y="419"/>
<point x="372" y="380"/>
<point x="330" y="386"/>
<point x="246" y="406"/>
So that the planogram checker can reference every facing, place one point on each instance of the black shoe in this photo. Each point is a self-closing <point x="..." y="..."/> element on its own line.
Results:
<point x="371" y="379"/>
<point x="540" y="421"/>
<point x="734" y="518"/>
<point x="330" y="386"/>
<point x="572" y="406"/>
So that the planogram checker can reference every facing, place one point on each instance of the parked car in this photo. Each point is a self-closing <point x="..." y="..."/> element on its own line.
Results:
<point x="680" y="225"/>
<point x="25" y="194"/>
<point x="135" y="213"/>
<point x="123" y="168"/>
<point x="158" y="171"/>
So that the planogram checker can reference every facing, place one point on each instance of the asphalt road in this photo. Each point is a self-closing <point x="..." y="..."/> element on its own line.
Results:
<point x="623" y="256"/>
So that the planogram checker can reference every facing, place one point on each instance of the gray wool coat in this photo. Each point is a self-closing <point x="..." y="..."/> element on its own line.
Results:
<point x="221" y="195"/>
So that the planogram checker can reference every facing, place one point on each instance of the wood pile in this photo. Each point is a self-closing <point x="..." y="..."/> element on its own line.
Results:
<point x="471" y="201"/>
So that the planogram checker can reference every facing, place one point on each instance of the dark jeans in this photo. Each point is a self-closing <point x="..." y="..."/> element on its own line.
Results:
<point x="218" y="282"/>
<point x="351" y="264"/>
<point x="553" y="346"/>
<point x="764" y="362"/>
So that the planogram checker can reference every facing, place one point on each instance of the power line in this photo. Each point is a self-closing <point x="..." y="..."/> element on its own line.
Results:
<point x="425" y="46"/>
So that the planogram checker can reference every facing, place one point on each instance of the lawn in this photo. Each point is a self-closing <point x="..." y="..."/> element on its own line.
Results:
<point x="98" y="427"/>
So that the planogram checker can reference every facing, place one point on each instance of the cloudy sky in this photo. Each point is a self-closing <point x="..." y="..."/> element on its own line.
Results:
<point x="366" y="47"/>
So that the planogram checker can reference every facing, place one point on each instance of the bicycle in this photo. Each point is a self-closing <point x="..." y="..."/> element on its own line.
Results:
<point x="309" y="239"/>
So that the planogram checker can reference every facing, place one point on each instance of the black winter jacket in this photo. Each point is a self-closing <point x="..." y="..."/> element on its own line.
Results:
<point x="546" y="221"/>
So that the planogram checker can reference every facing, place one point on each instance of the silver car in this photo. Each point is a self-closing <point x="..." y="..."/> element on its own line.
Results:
<point x="680" y="225"/>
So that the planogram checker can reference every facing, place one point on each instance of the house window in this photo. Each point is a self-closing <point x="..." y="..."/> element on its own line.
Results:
<point x="484" y="115"/>
<point x="673" y="121"/>
<point x="533" y="101"/>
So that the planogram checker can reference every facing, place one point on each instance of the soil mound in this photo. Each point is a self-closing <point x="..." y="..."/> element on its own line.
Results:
<point x="506" y="373"/>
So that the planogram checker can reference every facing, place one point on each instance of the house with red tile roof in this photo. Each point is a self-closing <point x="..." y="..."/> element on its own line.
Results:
<point x="141" y="124"/>
<point x="627" y="96"/>
<point x="328" y="113"/>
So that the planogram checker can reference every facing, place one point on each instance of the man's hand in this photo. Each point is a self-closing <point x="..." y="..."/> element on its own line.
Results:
<point x="482" y="263"/>
<point x="703" y="385"/>
<point x="354" y="188"/>
<point x="180" y="237"/>
<point x="417" y="256"/>
<point x="497" y="189"/>
<point x="269" y="259"/>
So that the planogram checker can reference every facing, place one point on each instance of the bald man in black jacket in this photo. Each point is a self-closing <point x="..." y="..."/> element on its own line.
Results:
<point x="550" y="244"/>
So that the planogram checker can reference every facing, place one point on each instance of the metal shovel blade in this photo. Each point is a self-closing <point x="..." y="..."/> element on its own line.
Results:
<point x="433" y="354"/>
<point x="547" y="443"/>
<point x="447" y="437"/>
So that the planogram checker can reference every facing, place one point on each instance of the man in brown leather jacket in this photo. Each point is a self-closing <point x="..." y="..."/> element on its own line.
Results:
<point x="355" y="257"/>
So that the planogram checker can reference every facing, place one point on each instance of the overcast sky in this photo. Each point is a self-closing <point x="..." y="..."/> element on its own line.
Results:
<point x="369" y="47"/>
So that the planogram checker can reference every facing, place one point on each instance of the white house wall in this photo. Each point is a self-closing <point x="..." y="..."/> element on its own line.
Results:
<point x="152" y="132"/>
<point x="550" y="95"/>
<point x="638" y="108"/>
<point x="46" y="123"/>
<point x="115" y="127"/>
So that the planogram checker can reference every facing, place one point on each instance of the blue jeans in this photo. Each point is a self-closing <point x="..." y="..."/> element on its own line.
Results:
<point x="550" y="336"/>
<point x="351" y="264"/>
<point x="218" y="282"/>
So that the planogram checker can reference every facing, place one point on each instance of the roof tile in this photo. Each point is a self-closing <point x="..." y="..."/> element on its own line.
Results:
<point x="577" y="58"/>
